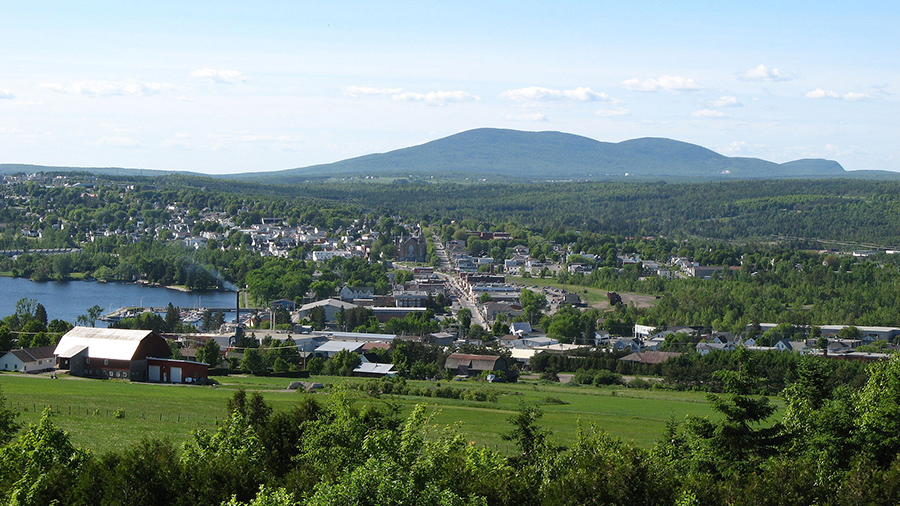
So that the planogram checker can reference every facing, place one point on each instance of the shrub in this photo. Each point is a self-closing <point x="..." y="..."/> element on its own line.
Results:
<point x="604" y="377"/>
<point x="639" y="383"/>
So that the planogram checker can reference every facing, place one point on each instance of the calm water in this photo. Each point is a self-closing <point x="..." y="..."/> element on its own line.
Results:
<point x="67" y="300"/>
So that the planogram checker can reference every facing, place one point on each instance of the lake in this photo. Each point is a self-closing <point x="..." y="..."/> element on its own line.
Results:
<point x="66" y="300"/>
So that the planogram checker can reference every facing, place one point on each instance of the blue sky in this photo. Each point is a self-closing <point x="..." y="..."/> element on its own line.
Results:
<point x="239" y="87"/>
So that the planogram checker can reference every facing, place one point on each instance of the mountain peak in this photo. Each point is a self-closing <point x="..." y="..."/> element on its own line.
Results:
<point x="501" y="155"/>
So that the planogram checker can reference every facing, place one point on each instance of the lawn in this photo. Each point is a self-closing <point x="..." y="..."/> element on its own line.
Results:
<point x="88" y="408"/>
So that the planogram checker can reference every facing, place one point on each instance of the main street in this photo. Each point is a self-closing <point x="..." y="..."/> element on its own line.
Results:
<point x="446" y="272"/>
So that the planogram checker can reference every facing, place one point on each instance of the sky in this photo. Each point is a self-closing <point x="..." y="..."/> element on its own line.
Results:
<point x="235" y="86"/>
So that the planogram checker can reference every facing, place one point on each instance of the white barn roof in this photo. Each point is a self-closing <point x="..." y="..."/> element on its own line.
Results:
<point x="118" y="344"/>
<point x="336" y="346"/>
<point x="373" y="368"/>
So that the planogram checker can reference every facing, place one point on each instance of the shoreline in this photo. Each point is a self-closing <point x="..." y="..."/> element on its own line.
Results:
<point x="176" y="288"/>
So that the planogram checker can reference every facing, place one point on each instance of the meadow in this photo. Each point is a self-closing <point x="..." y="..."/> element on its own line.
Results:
<point x="110" y="414"/>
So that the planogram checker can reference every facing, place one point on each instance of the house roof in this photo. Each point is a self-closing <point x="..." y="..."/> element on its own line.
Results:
<point x="34" y="354"/>
<point x="336" y="346"/>
<point x="327" y="302"/>
<point x="356" y="336"/>
<point x="118" y="344"/>
<point x="520" y="328"/>
<point x="522" y="353"/>
<point x="473" y="362"/>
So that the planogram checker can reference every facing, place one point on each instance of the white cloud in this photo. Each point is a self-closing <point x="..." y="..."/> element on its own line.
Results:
<point x="118" y="142"/>
<point x="850" y="97"/>
<point x="820" y="93"/>
<point x="607" y="113"/>
<point x="538" y="94"/>
<point x="361" y="91"/>
<point x="435" y="97"/>
<point x="762" y="73"/>
<point x="727" y="101"/>
<point x="663" y="83"/>
<point x="853" y="96"/>
<point x="220" y="76"/>
<point x="397" y="94"/>
<point x="708" y="113"/>
<point x="537" y="116"/>
<point x="109" y="88"/>
<point x="6" y="94"/>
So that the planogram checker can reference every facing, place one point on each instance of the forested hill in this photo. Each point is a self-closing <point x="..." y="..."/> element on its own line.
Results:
<point x="497" y="156"/>
<point x="505" y="155"/>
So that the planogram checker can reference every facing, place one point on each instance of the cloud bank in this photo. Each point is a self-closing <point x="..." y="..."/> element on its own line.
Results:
<point x="663" y="83"/>
<point x="539" y="94"/>
<point x="850" y="96"/>
<point x="763" y="73"/>
<point x="109" y="88"/>
<point x="439" y="97"/>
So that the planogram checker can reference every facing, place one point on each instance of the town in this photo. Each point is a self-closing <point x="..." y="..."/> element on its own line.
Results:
<point x="463" y="291"/>
<point x="339" y="316"/>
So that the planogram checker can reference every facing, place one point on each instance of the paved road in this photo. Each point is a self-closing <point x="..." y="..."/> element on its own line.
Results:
<point x="464" y="300"/>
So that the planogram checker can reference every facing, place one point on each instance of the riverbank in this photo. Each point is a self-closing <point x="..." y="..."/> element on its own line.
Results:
<point x="66" y="300"/>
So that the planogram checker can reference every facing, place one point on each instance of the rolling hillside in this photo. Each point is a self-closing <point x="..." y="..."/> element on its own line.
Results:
<point x="498" y="155"/>
<point x="515" y="155"/>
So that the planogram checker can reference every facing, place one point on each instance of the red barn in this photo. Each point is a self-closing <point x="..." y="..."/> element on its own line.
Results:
<point x="109" y="353"/>
<point x="176" y="371"/>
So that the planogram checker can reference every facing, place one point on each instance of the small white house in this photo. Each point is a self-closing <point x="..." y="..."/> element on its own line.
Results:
<point x="32" y="360"/>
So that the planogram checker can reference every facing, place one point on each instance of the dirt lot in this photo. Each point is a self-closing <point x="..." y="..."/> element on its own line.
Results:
<point x="638" y="300"/>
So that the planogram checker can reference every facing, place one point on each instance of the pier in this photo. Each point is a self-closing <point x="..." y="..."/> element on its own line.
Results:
<point x="134" y="311"/>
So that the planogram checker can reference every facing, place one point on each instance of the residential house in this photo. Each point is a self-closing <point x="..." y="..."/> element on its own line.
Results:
<point x="351" y="293"/>
<point x="703" y="347"/>
<point x="32" y="360"/>
<point x="462" y="364"/>
<point x="791" y="346"/>
<point x="626" y="344"/>
<point x="331" y="307"/>
<point x="520" y="328"/>
<point x="493" y="309"/>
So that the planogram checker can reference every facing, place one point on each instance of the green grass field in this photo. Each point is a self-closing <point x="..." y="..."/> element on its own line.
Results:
<point x="87" y="408"/>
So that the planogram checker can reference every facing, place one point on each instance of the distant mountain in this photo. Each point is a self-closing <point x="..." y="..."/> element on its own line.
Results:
<point x="22" y="168"/>
<point x="498" y="154"/>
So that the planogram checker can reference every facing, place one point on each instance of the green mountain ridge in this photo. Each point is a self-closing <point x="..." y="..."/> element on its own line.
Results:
<point x="499" y="155"/>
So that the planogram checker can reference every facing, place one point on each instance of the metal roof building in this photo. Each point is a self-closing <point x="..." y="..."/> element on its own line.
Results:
<point x="112" y="353"/>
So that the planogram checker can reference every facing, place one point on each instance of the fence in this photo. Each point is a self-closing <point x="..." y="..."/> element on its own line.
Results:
<point x="93" y="411"/>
